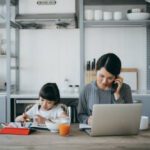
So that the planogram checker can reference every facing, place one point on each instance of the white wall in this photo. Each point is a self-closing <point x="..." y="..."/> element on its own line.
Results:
<point x="128" y="43"/>
<point x="48" y="56"/>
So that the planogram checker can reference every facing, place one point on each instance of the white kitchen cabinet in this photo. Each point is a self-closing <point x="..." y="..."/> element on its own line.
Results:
<point x="2" y="108"/>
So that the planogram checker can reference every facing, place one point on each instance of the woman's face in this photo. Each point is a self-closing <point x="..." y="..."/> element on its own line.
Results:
<point x="104" y="79"/>
<point x="46" y="104"/>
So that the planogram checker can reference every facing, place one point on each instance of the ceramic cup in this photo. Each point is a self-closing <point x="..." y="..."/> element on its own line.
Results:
<point x="117" y="15"/>
<point x="107" y="15"/>
<point x="89" y="14"/>
<point x="144" y="123"/>
<point x="98" y="14"/>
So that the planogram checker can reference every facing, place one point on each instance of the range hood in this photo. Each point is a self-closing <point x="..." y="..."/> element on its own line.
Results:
<point x="38" y="21"/>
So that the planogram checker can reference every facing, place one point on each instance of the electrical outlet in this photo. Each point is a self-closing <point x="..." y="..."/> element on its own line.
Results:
<point x="46" y="2"/>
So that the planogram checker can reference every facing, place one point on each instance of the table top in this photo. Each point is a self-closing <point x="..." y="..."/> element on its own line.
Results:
<point x="77" y="140"/>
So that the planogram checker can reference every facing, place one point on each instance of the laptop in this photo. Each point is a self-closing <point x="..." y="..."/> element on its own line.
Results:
<point x="115" y="119"/>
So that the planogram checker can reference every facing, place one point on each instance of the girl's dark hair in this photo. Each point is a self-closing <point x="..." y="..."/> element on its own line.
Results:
<point x="50" y="92"/>
<point x="110" y="62"/>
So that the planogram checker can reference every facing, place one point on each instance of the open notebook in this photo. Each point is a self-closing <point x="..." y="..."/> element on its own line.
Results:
<point x="35" y="125"/>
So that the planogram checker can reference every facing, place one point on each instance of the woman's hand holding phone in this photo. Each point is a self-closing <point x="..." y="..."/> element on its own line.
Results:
<point x="118" y="81"/>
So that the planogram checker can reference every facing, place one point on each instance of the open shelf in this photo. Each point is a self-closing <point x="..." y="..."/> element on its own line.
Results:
<point x="12" y="24"/>
<point x="120" y="23"/>
<point x="114" y="2"/>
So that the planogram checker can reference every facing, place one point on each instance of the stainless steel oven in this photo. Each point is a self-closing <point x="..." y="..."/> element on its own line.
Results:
<point x="20" y="106"/>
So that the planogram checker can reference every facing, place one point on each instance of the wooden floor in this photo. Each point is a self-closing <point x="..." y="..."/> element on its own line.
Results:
<point x="78" y="140"/>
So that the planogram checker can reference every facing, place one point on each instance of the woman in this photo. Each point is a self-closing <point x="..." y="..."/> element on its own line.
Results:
<point x="108" y="87"/>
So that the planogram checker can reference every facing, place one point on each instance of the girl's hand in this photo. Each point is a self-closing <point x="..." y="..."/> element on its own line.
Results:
<point x="119" y="82"/>
<point x="23" y="118"/>
<point x="39" y="119"/>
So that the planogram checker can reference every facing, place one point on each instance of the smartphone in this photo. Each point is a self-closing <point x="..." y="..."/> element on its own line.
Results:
<point x="114" y="87"/>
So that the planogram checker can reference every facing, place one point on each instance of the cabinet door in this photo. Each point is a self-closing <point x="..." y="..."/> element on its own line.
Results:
<point x="2" y="109"/>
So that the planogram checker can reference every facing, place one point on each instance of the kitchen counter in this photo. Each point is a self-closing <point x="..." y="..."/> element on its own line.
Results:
<point x="2" y="93"/>
<point x="141" y="93"/>
<point x="34" y="95"/>
<point x="44" y="140"/>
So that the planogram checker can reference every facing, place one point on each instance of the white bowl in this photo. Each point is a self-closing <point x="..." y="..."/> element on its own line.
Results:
<point x="138" y="16"/>
<point x="53" y="127"/>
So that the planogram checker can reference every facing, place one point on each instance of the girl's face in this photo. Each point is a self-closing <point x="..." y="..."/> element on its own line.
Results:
<point x="104" y="79"/>
<point x="46" y="104"/>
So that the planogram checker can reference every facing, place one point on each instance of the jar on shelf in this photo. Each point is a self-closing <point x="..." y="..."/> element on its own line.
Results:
<point x="71" y="89"/>
<point x="66" y="85"/>
<point x="76" y="88"/>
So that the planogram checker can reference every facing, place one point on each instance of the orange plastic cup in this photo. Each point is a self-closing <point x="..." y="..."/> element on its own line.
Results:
<point x="64" y="129"/>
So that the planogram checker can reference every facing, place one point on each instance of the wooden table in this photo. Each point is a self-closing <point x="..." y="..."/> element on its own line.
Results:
<point x="78" y="140"/>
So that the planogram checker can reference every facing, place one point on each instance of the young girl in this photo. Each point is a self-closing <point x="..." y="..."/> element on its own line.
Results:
<point x="49" y="107"/>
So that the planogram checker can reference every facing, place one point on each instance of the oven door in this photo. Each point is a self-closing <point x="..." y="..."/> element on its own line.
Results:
<point x="20" y="105"/>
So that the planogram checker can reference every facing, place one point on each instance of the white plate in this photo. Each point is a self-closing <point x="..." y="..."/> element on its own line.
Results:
<point x="138" y="16"/>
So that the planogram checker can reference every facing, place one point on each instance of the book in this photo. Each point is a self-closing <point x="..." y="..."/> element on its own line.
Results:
<point x="37" y="126"/>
